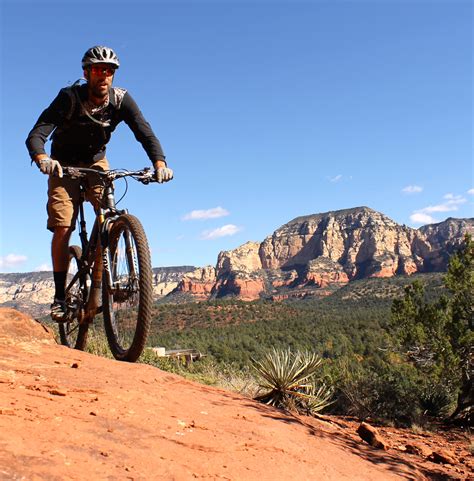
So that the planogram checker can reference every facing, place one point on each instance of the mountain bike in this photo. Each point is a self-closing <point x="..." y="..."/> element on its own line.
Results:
<point x="126" y="280"/>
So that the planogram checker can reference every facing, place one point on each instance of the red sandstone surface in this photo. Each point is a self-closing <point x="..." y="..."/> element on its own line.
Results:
<point x="66" y="414"/>
<point x="326" y="279"/>
<point x="200" y="290"/>
<point x="247" y="289"/>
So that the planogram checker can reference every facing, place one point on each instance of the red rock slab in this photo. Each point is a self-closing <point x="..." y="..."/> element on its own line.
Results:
<point x="66" y="414"/>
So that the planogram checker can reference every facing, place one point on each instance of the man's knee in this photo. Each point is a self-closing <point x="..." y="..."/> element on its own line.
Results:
<point x="60" y="248"/>
<point x="62" y="234"/>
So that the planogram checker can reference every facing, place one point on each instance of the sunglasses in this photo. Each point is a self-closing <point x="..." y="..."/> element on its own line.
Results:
<point x="96" y="70"/>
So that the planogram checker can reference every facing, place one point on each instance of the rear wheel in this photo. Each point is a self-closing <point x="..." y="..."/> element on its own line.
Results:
<point x="127" y="301"/>
<point x="72" y="332"/>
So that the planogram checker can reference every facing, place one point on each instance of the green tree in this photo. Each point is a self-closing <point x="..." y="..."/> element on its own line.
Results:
<point x="438" y="336"/>
<point x="460" y="282"/>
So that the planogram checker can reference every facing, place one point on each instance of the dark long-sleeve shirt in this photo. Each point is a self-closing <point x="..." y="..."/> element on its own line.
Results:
<point x="76" y="139"/>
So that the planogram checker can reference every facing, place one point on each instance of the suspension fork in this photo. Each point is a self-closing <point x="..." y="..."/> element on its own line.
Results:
<point x="103" y="227"/>
<point x="131" y="255"/>
<point x="108" y="262"/>
<point x="108" y="265"/>
<point x="109" y="200"/>
<point x="110" y="259"/>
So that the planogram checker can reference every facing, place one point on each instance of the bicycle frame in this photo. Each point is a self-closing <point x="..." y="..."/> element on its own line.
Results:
<point x="113" y="261"/>
<point x="104" y="217"/>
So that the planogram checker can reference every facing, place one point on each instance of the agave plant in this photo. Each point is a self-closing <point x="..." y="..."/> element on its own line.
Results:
<point x="288" y="381"/>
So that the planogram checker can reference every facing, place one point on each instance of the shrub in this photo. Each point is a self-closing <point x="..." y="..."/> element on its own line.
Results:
<point x="381" y="391"/>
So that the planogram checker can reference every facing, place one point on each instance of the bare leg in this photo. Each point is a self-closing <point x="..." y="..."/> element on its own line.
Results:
<point x="60" y="248"/>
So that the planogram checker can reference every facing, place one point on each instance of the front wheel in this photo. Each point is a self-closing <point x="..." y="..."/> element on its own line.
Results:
<point x="73" y="333"/>
<point x="127" y="289"/>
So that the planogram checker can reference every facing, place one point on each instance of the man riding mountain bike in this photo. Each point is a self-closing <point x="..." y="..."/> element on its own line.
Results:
<point x="81" y="120"/>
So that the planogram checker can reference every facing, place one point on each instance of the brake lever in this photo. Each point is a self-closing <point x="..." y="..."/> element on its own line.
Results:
<point x="146" y="176"/>
<point x="111" y="175"/>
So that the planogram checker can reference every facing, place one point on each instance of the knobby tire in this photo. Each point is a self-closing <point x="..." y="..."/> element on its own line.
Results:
<point x="127" y="306"/>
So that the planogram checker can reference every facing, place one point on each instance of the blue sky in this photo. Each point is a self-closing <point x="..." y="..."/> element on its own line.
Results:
<point x="266" y="111"/>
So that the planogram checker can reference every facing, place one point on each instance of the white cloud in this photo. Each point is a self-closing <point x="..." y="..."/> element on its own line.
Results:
<point x="225" y="230"/>
<point x="412" y="189"/>
<point x="452" y="203"/>
<point x="214" y="213"/>
<point x="12" y="260"/>
<point x="420" y="218"/>
<point x="43" y="267"/>
<point x="470" y="191"/>
<point x="336" y="179"/>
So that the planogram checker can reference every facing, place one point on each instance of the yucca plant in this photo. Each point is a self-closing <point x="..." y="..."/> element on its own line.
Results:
<point x="288" y="380"/>
<point x="319" y="397"/>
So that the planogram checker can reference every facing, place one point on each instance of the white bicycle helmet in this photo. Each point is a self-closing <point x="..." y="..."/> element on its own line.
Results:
<point x="100" y="54"/>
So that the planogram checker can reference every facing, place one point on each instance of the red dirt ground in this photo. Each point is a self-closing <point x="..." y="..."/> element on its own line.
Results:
<point x="66" y="414"/>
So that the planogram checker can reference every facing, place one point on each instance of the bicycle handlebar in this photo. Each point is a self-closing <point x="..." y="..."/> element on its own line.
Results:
<point x="145" y="176"/>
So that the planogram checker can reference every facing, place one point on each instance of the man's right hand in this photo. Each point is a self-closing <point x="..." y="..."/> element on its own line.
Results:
<point x="49" y="166"/>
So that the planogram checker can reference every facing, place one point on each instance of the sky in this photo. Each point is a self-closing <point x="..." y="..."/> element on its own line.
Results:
<point x="266" y="110"/>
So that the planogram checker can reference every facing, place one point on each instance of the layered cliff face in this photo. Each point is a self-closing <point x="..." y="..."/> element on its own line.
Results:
<point x="444" y="238"/>
<point x="166" y="279"/>
<point x="245" y="258"/>
<point x="33" y="292"/>
<point x="364" y="242"/>
<point x="200" y="282"/>
<point x="332" y="249"/>
<point x="238" y="272"/>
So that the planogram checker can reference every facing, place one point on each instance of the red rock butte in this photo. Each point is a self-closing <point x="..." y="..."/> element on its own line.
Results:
<point x="329" y="249"/>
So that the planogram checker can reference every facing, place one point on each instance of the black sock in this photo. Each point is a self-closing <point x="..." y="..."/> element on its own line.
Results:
<point x="59" y="285"/>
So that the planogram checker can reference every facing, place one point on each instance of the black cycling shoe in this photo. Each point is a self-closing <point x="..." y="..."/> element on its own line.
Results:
<point x="58" y="311"/>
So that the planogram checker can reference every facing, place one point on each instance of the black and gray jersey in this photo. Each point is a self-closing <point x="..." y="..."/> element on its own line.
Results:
<point x="80" y="130"/>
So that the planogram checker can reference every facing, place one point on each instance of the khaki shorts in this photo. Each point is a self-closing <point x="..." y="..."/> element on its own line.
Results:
<point x="64" y="196"/>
